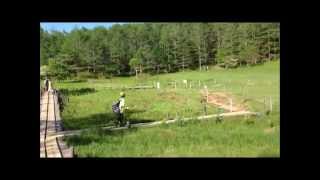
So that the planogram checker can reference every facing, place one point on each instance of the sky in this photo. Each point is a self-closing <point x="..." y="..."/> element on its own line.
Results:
<point x="69" y="26"/>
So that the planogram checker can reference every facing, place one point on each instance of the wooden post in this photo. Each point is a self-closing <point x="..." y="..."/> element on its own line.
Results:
<point x="136" y="73"/>
<point x="206" y="89"/>
<point x="205" y="108"/>
<point x="158" y="85"/>
<point x="199" y="84"/>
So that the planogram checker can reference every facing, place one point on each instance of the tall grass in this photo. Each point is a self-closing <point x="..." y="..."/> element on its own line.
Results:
<point x="196" y="138"/>
<point x="238" y="137"/>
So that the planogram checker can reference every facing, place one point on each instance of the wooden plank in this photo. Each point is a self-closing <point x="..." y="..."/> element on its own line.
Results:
<point x="51" y="115"/>
<point x="50" y="124"/>
<point x="52" y="148"/>
<point x="140" y="125"/>
<point x="51" y="143"/>
<point x="58" y="123"/>
<point x="43" y="119"/>
<point x="141" y="87"/>
<point x="66" y="152"/>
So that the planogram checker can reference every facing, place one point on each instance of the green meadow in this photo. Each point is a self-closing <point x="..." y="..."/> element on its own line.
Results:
<point x="90" y="103"/>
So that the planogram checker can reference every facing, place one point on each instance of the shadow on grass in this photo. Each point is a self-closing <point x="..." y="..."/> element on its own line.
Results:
<point x="75" y="81"/>
<point x="136" y="121"/>
<point x="95" y="120"/>
<point x="77" y="92"/>
<point x="102" y="120"/>
<point x="268" y="153"/>
<point x="97" y="135"/>
<point x="95" y="123"/>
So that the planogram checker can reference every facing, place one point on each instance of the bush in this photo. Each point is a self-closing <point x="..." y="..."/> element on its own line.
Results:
<point x="230" y="62"/>
<point x="44" y="70"/>
<point x="57" y="69"/>
<point x="86" y="75"/>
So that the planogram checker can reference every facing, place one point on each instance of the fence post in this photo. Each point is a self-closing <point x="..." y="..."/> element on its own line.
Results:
<point x="158" y="85"/>
<point x="205" y="108"/>
<point x="206" y="89"/>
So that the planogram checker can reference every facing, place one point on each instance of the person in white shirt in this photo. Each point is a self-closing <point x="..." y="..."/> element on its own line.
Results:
<point x="122" y="108"/>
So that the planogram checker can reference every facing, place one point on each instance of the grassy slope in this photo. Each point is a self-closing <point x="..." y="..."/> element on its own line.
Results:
<point x="238" y="138"/>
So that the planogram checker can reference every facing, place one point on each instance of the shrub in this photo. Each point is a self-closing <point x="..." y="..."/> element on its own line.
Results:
<point x="86" y="75"/>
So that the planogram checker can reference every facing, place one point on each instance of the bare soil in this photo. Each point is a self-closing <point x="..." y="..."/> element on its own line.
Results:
<point x="222" y="100"/>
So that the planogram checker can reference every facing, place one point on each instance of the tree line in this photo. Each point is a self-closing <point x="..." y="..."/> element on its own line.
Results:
<point x="135" y="48"/>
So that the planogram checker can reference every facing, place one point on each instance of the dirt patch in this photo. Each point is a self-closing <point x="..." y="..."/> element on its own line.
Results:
<point x="222" y="100"/>
<point x="170" y="96"/>
<point x="269" y="130"/>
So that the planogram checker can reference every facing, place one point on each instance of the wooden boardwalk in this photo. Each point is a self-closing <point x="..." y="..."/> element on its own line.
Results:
<point x="151" y="124"/>
<point x="50" y="124"/>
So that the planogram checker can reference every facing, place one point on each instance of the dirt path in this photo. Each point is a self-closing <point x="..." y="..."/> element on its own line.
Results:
<point x="223" y="100"/>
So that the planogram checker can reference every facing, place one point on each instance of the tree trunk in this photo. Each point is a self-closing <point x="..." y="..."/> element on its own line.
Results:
<point x="199" y="58"/>
<point x="94" y="62"/>
<point x="183" y="62"/>
<point x="269" y="46"/>
<point x="136" y="72"/>
<point x="175" y="51"/>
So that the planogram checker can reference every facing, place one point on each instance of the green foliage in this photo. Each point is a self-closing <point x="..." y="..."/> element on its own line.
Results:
<point x="249" y="54"/>
<point x="58" y="69"/>
<point x="134" y="63"/>
<point x="44" y="71"/>
<point x="85" y="75"/>
<point x="161" y="47"/>
<point x="221" y="55"/>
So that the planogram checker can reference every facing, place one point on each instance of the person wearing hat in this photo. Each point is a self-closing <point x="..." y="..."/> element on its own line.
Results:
<point x="122" y="108"/>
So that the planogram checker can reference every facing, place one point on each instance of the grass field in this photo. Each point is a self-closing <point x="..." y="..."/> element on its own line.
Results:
<point x="90" y="107"/>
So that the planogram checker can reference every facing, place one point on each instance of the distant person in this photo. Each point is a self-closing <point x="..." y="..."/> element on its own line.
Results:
<point x="50" y="86"/>
<point x="46" y="84"/>
<point x="119" y="109"/>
